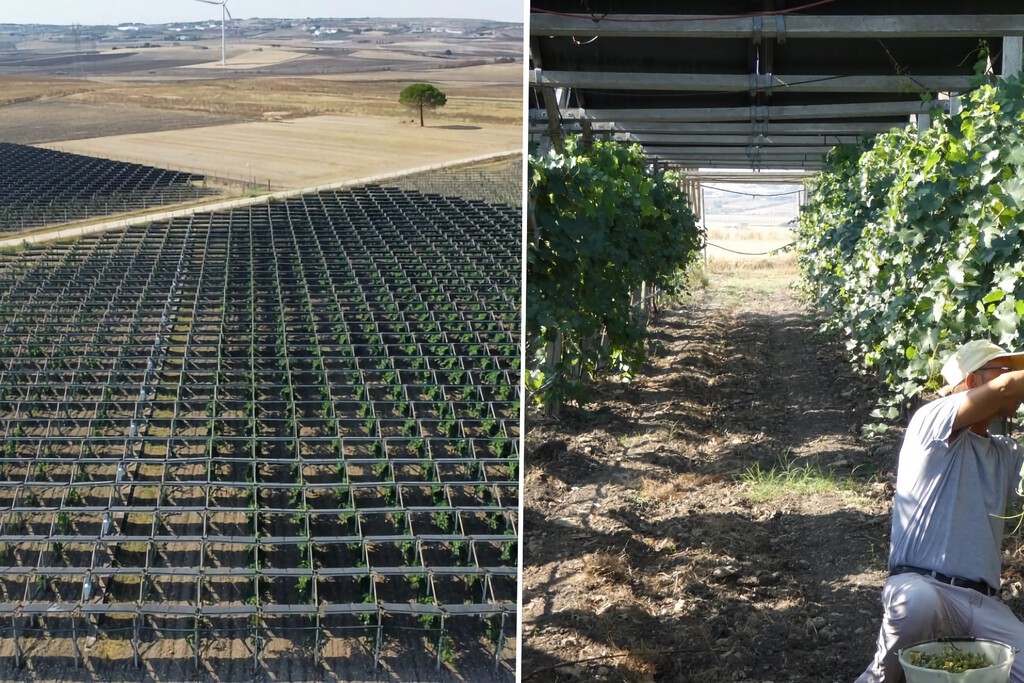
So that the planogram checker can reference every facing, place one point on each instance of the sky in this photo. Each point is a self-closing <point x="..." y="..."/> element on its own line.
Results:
<point x="88" y="12"/>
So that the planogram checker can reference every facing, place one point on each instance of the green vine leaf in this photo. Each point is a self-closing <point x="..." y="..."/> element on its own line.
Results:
<point x="910" y="244"/>
<point x="605" y="225"/>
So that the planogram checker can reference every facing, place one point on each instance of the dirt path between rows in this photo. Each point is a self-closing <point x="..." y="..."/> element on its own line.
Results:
<point x="647" y="559"/>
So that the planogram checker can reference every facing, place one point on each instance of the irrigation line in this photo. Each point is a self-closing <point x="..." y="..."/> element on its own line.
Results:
<point x="751" y="253"/>
<point x="611" y="656"/>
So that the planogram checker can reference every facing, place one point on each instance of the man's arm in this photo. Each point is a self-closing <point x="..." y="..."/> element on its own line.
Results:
<point x="1000" y="396"/>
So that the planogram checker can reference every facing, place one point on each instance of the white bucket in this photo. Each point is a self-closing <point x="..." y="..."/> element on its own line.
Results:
<point x="1002" y="656"/>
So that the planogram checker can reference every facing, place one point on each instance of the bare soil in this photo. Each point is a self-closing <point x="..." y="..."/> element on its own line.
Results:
<point x="647" y="558"/>
<point x="38" y="121"/>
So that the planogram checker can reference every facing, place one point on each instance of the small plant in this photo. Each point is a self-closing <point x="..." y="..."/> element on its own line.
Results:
<point x="57" y="548"/>
<point x="493" y="629"/>
<point x="460" y="552"/>
<point x="408" y="552"/>
<point x="427" y="620"/>
<point x="437" y="493"/>
<point x="508" y="551"/>
<point x="493" y="520"/>
<point x="305" y="588"/>
<point x="449" y="428"/>
<point x="447" y="649"/>
<point x="442" y="519"/>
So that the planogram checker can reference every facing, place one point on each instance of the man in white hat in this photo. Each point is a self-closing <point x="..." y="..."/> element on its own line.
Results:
<point x="954" y="483"/>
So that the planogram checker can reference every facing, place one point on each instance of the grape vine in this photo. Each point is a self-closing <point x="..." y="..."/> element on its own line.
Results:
<point x="914" y="245"/>
<point x="604" y="225"/>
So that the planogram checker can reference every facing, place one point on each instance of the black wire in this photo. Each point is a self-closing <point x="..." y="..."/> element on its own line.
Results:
<point x="752" y="194"/>
<point x="899" y="69"/>
<point x="750" y="253"/>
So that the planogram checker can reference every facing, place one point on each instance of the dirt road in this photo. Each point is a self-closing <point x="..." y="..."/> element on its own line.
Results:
<point x="648" y="559"/>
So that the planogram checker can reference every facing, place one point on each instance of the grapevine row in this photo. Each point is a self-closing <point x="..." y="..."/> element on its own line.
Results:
<point x="603" y="225"/>
<point x="913" y="245"/>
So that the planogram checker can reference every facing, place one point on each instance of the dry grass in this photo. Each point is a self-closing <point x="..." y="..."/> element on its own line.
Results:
<point x="745" y="262"/>
<point x="493" y="101"/>
<point x="783" y="264"/>
<point x="762" y="234"/>
<point x="647" y="491"/>
<point x="739" y="252"/>
<point x="14" y="90"/>
<point x="607" y="566"/>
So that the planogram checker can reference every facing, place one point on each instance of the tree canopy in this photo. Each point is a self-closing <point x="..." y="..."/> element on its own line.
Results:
<point x="422" y="96"/>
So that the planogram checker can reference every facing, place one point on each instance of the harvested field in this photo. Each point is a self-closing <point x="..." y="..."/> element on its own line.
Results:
<point x="304" y="152"/>
<point x="251" y="59"/>
<point x="479" y="94"/>
<point x="40" y="121"/>
<point x="15" y="89"/>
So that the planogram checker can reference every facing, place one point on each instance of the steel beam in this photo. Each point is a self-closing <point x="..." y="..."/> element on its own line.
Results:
<point x="792" y="27"/>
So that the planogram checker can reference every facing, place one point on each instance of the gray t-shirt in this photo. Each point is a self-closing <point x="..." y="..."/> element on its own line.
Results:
<point x="951" y="497"/>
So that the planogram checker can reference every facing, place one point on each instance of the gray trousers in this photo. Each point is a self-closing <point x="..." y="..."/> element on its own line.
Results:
<point x="918" y="608"/>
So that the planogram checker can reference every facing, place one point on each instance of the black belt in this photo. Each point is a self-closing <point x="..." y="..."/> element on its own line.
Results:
<point x="979" y="586"/>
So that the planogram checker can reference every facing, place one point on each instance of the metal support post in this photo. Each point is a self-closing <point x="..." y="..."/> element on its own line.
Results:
<point x="74" y="643"/>
<point x="135" y="641"/>
<point x="440" y="643"/>
<point x="1012" y="55"/>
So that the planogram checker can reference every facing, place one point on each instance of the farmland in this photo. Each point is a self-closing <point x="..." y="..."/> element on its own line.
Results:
<point x="39" y="187"/>
<point x="280" y="439"/>
<point x="297" y="418"/>
<point x="302" y="152"/>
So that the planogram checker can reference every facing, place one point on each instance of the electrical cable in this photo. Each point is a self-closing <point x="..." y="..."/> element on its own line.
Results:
<point x="899" y="69"/>
<point x="750" y="253"/>
<point x="752" y="194"/>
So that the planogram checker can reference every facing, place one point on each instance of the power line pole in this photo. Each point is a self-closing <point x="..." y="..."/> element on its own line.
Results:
<point x="76" y="31"/>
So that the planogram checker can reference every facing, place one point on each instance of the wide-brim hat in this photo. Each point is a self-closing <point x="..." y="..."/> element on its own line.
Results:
<point x="973" y="355"/>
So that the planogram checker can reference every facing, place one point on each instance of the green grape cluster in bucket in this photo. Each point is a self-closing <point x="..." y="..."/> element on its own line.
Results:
<point x="950" y="659"/>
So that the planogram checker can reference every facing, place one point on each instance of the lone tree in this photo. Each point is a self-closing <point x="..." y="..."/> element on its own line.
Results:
<point x="424" y="96"/>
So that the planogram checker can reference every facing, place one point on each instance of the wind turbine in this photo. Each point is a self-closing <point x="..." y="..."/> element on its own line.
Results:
<point x="225" y="15"/>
